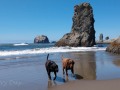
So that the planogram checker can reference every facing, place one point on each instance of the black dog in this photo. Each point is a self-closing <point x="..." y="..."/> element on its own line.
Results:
<point x="51" y="66"/>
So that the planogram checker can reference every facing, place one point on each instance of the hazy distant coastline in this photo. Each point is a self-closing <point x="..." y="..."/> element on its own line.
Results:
<point x="105" y="41"/>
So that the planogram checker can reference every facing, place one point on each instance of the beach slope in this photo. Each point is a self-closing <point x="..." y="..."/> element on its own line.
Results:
<point x="89" y="85"/>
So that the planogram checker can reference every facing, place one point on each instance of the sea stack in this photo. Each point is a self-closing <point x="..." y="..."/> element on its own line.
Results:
<point x="114" y="47"/>
<point x="82" y="31"/>
<point x="41" y="39"/>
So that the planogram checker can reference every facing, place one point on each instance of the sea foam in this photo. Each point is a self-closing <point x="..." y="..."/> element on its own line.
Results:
<point x="51" y="50"/>
<point x="20" y="44"/>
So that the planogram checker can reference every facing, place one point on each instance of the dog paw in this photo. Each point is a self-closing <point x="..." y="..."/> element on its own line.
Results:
<point x="49" y="79"/>
<point x="54" y="78"/>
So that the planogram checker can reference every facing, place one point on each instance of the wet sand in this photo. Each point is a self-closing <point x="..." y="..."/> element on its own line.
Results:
<point x="89" y="85"/>
<point x="93" y="70"/>
<point x="28" y="74"/>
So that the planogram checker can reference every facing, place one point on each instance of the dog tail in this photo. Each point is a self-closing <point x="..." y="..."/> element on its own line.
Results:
<point x="62" y="57"/>
<point x="47" y="56"/>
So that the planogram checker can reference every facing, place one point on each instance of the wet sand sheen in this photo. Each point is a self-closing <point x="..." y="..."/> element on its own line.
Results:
<point x="89" y="85"/>
<point x="30" y="73"/>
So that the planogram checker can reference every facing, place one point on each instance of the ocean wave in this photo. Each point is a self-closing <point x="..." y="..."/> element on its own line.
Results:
<point x="51" y="50"/>
<point x="20" y="44"/>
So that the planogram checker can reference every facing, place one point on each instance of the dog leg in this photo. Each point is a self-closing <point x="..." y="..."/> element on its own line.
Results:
<point x="72" y="70"/>
<point x="66" y="71"/>
<point x="49" y="75"/>
<point x="55" y="75"/>
<point x="63" y="71"/>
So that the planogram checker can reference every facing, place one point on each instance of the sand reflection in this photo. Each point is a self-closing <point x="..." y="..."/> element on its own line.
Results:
<point x="117" y="62"/>
<point x="51" y="83"/>
<point x="85" y="67"/>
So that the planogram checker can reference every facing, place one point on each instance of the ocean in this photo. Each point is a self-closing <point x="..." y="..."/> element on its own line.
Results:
<point x="29" y="49"/>
<point x="22" y="66"/>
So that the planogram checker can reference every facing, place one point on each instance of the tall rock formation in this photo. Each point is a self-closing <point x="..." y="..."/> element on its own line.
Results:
<point x="114" y="47"/>
<point x="82" y="33"/>
<point x="101" y="38"/>
<point x="41" y="39"/>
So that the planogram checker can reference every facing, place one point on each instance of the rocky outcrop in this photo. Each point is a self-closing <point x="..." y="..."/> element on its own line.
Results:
<point x="53" y="41"/>
<point x="82" y="33"/>
<point x="41" y="39"/>
<point x="101" y="38"/>
<point x="114" y="47"/>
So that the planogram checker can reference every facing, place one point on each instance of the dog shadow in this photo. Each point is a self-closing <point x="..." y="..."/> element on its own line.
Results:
<point x="62" y="79"/>
<point x="66" y="78"/>
<point x="77" y="76"/>
<point x="52" y="83"/>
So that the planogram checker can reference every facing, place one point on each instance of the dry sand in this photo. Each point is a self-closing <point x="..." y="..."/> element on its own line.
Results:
<point x="89" y="85"/>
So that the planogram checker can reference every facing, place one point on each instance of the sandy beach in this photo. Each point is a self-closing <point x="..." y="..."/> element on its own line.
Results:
<point x="93" y="71"/>
<point x="89" y="85"/>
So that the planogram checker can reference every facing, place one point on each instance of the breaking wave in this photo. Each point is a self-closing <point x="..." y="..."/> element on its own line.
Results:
<point x="50" y="50"/>
<point x="20" y="44"/>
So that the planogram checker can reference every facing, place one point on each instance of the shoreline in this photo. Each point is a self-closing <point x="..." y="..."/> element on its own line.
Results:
<point x="30" y="73"/>
<point x="89" y="85"/>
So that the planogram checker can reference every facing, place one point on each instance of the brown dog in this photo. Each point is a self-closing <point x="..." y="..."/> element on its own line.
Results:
<point x="68" y="64"/>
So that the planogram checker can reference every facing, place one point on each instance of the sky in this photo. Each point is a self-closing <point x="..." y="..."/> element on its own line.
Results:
<point x="23" y="20"/>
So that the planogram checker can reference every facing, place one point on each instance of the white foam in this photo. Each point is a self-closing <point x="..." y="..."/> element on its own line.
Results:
<point x="51" y="50"/>
<point x="20" y="44"/>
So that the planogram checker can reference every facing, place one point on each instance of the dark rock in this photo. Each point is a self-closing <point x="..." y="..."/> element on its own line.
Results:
<point x="107" y="38"/>
<point x="82" y="33"/>
<point x="41" y="39"/>
<point x="101" y="38"/>
<point x="114" y="47"/>
<point x="53" y="41"/>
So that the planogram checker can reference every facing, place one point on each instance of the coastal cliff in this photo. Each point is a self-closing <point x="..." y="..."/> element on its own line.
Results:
<point x="82" y="32"/>
<point x="114" y="47"/>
